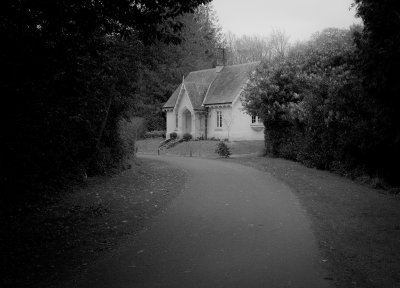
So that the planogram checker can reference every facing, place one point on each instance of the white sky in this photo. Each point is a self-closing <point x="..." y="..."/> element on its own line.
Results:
<point x="298" y="18"/>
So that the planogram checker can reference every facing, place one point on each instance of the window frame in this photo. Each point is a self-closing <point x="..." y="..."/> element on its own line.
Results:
<point x="255" y="120"/>
<point x="219" y="119"/>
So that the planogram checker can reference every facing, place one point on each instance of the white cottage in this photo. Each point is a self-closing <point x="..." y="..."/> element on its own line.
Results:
<point x="207" y="104"/>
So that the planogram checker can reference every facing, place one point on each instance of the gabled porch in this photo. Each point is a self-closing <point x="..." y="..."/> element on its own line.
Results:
<point x="188" y="121"/>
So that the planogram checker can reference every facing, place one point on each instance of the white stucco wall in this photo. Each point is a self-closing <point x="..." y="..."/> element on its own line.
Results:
<point x="213" y="130"/>
<point x="183" y="105"/>
<point x="242" y="127"/>
<point x="200" y="125"/>
<point x="170" y="115"/>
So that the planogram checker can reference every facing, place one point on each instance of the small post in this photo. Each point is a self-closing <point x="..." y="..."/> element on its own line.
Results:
<point x="158" y="151"/>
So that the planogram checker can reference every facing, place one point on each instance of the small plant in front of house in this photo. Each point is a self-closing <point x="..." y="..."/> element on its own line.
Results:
<point x="173" y="135"/>
<point x="187" y="137"/>
<point x="223" y="150"/>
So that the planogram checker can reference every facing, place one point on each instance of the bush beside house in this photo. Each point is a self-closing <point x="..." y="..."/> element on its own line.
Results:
<point x="187" y="137"/>
<point x="223" y="150"/>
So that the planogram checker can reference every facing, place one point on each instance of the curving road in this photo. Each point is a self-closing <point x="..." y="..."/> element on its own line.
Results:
<point x="232" y="226"/>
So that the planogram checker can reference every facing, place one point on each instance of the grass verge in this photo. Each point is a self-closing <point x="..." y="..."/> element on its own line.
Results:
<point x="48" y="244"/>
<point x="357" y="228"/>
<point x="203" y="148"/>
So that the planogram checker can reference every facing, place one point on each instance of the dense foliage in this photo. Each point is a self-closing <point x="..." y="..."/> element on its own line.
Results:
<point x="71" y="71"/>
<point x="332" y="102"/>
<point x="379" y="53"/>
<point x="223" y="149"/>
<point x="162" y="65"/>
<point x="315" y="108"/>
<point x="187" y="137"/>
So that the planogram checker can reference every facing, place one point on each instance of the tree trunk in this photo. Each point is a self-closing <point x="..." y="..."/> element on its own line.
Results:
<point x="102" y="128"/>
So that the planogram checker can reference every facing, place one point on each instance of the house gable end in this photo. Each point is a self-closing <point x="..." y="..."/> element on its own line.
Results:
<point x="183" y="102"/>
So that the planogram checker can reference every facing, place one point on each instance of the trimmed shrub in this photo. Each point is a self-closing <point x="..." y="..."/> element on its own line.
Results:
<point x="223" y="150"/>
<point x="173" y="135"/>
<point x="187" y="137"/>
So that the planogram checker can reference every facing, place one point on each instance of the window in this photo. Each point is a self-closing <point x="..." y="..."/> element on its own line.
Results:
<point x="176" y="120"/>
<point x="255" y="119"/>
<point x="219" y="119"/>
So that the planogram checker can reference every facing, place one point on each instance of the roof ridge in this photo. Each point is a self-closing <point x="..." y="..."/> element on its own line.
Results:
<point x="202" y="70"/>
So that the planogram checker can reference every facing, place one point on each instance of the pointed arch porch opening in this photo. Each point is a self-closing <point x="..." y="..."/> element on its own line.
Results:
<point x="187" y="122"/>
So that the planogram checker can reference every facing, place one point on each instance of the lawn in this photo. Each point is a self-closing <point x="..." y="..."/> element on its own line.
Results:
<point x="205" y="148"/>
<point x="61" y="240"/>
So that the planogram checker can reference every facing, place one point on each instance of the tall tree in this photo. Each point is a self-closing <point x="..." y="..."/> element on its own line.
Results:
<point x="163" y="65"/>
<point x="379" y="52"/>
<point x="310" y="103"/>
<point x="246" y="49"/>
<point x="279" y="42"/>
<point x="253" y="48"/>
<point x="64" y="92"/>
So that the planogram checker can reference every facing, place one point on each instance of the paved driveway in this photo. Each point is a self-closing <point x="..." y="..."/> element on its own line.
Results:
<point x="232" y="226"/>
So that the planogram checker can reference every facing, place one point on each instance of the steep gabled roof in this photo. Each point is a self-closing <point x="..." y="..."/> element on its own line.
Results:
<point x="174" y="97"/>
<point x="207" y="87"/>
<point x="196" y="93"/>
<point x="229" y="83"/>
<point x="196" y="84"/>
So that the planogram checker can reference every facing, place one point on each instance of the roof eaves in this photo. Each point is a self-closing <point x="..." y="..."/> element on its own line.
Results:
<point x="221" y="103"/>
<point x="179" y="95"/>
